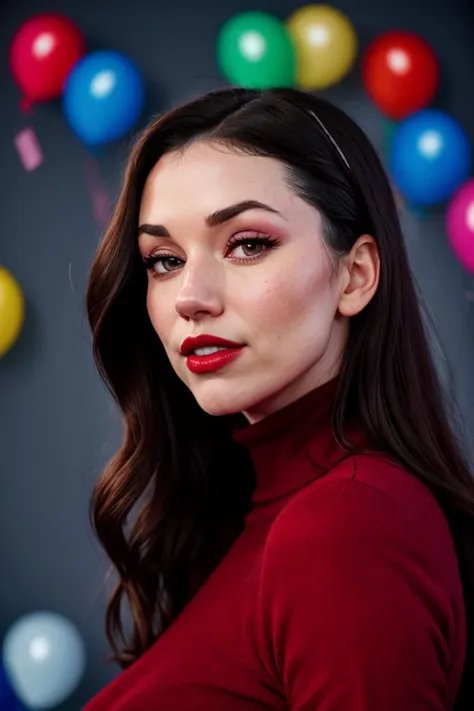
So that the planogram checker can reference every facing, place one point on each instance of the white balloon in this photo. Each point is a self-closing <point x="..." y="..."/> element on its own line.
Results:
<point x="44" y="656"/>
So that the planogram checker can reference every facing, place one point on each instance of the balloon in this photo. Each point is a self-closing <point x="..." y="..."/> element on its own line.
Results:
<point x="430" y="157"/>
<point x="12" y="310"/>
<point x="44" y="657"/>
<point x="8" y="700"/>
<point x="326" y="45"/>
<point x="254" y="50"/>
<point x="103" y="97"/>
<point x="42" y="53"/>
<point x="460" y="224"/>
<point x="400" y="73"/>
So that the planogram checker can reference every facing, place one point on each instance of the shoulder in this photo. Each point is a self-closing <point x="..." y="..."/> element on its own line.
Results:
<point x="358" y="580"/>
<point x="372" y="483"/>
<point x="361" y="536"/>
<point x="365" y="508"/>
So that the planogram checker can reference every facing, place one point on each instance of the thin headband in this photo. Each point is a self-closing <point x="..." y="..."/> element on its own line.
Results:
<point x="333" y="141"/>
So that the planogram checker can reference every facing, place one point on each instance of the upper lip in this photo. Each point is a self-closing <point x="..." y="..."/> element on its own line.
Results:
<point x="203" y="341"/>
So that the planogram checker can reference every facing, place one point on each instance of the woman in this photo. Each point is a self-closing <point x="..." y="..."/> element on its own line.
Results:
<point x="304" y="539"/>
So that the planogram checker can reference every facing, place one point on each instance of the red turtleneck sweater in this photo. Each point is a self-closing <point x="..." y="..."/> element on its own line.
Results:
<point x="341" y="594"/>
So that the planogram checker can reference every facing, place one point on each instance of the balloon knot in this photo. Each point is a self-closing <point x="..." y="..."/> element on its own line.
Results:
<point x="26" y="105"/>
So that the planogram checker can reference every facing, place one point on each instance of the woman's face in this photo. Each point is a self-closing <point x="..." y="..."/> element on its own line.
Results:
<point x="233" y="253"/>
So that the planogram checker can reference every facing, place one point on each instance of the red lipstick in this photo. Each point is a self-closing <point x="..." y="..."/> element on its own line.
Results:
<point x="210" y="362"/>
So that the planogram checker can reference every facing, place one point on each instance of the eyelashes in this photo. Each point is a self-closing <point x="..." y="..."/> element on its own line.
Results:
<point x="164" y="263"/>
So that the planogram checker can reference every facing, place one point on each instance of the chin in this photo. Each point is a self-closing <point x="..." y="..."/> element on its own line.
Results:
<point x="217" y="397"/>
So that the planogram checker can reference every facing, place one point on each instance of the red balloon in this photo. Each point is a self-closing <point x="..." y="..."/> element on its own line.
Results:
<point x="42" y="53"/>
<point x="400" y="73"/>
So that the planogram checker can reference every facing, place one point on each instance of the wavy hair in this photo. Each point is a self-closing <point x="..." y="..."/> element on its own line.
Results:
<point x="162" y="509"/>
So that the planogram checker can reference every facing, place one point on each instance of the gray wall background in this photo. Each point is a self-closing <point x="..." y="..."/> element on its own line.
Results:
<point x="57" y="425"/>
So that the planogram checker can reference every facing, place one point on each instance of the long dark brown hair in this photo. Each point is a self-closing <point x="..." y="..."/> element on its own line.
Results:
<point x="174" y="497"/>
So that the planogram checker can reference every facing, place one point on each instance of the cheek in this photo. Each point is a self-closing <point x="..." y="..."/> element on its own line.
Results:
<point x="286" y="304"/>
<point x="160" y="313"/>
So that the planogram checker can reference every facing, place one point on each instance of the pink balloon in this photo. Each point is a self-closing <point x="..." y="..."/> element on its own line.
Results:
<point x="460" y="224"/>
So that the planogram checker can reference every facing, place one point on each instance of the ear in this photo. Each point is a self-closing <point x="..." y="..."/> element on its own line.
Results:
<point x="360" y="276"/>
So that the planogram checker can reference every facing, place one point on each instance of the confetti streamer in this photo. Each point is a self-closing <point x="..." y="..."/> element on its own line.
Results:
<point x="98" y="195"/>
<point x="28" y="148"/>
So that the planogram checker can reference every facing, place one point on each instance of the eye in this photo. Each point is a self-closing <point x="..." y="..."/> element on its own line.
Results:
<point x="248" y="247"/>
<point x="162" y="264"/>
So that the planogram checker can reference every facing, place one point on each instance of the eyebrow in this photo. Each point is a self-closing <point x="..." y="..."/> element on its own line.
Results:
<point x="217" y="218"/>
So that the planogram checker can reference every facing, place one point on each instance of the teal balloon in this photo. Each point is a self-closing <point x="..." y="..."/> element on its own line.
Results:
<point x="255" y="51"/>
<point x="44" y="658"/>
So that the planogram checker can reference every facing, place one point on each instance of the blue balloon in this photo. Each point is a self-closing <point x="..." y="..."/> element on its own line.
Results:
<point x="103" y="97"/>
<point x="8" y="699"/>
<point x="430" y="157"/>
<point x="44" y="658"/>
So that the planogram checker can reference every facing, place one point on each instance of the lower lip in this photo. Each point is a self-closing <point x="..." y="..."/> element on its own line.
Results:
<point x="214" y="361"/>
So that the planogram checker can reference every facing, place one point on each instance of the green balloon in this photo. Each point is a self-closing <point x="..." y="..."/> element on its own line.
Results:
<point x="255" y="50"/>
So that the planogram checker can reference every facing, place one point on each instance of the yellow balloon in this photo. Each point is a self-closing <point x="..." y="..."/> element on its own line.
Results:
<point x="12" y="310"/>
<point x="325" y="43"/>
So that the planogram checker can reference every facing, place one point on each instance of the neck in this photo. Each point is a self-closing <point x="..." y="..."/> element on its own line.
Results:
<point x="292" y="393"/>
<point x="291" y="446"/>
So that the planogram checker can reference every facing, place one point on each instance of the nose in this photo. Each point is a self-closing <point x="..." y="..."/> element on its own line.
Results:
<point x="200" y="294"/>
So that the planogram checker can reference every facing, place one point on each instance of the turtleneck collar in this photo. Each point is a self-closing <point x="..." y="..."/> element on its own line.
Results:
<point x="292" y="446"/>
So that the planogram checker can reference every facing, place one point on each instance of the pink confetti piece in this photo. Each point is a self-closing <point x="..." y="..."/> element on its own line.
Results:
<point x="470" y="295"/>
<point x="29" y="149"/>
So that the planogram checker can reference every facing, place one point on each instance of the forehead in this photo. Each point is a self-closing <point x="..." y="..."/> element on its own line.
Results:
<point x="207" y="176"/>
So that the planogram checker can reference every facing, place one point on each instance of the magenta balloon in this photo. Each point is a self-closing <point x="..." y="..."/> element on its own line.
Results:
<point x="460" y="224"/>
